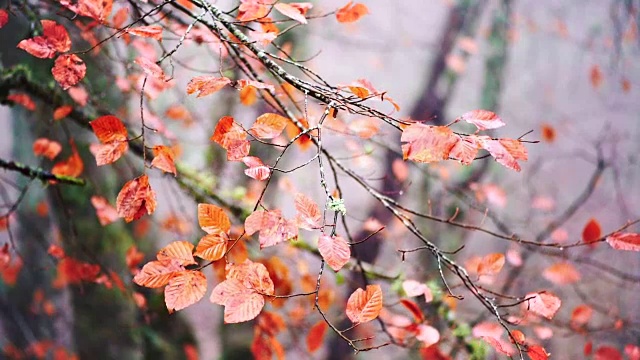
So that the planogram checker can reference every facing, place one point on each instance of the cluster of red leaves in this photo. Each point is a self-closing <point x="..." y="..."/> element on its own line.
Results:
<point x="426" y="143"/>
<point x="113" y="135"/>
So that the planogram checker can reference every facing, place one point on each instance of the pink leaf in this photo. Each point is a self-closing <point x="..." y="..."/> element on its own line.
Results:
<point x="624" y="241"/>
<point x="483" y="119"/>
<point x="334" y="250"/>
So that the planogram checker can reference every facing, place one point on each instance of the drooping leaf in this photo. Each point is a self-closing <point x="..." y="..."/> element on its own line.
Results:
<point x="561" y="273"/>
<point x="232" y="138"/>
<point x="491" y="264"/>
<point x="164" y="159"/>
<point x="47" y="148"/>
<point x="185" y="289"/>
<point x="308" y="214"/>
<point x="351" y="12"/>
<point x="149" y="31"/>
<point x="624" y="241"/>
<point x="414" y="309"/>
<point x="315" y="337"/>
<point x="506" y="151"/>
<point x="291" y="12"/>
<point x="98" y="10"/>
<point x="544" y="304"/>
<point x="250" y="10"/>
<point x="108" y="153"/>
<point x="425" y="143"/>
<point x="68" y="70"/>
<point x="334" y="250"/>
<point x="257" y="170"/>
<point x="212" y="246"/>
<point x="206" y="85"/>
<point x="592" y="231"/>
<point x="151" y="68"/>
<point x="213" y="219"/>
<point x="54" y="39"/>
<point x="537" y="352"/>
<point x="268" y="126"/>
<point x="179" y="251"/>
<point x="483" y="119"/>
<point x="72" y="166"/>
<point x="136" y="198"/>
<point x="155" y="274"/>
<point x="106" y="212"/>
<point x="364" y="305"/>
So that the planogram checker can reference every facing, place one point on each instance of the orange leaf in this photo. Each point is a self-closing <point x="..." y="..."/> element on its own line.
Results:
<point x="351" y="13"/>
<point x="581" y="315"/>
<point x="178" y="251"/>
<point x="47" y="148"/>
<point x="426" y="143"/>
<point x="213" y="219"/>
<point x="291" y="12"/>
<point x="316" y="336"/>
<point x="68" y="70"/>
<point x="108" y="153"/>
<point x="252" y="10"/>
<point x="592" y="231"/>
<point x="624" y="241"/>
<point x="483" y="119"/>
<point x="537" y="352"/>
<point x="268" y="126"/>
<point x="334" y="250"/>
<point x="62" y="112"/>
<point x="491" y="264"/>
<point x="505" y="151"/>
<point x="164" y="159"/>
<point x="212" y="246"/>
<point x="184" y="289"/>
<point x="54" y="39"/>
<point x="232" y="138"/>
<point x="206" y="85"/>
<point x="151" y="68"/>
<point x="596" y="77"/>
<point x="150" y="31"/>
<point x="73" y="166"/>
<point x="157" y="274"/>
<point x="109" y="128"/>
<point x="365" y="128"/>
<point x="543" y="303"/>
<point x="414" y="309"/>
<point x="308" y="214"/>
<point x="561" y="273"/>
<point x="548" y="133"/>
<point x="135" y="198"/>
<point x="22" y="99"/>
<point x="105" y="212"/>
<point x="248" y="95"/>
<point x="364" y="306"/>
<point x="465" y="150"/>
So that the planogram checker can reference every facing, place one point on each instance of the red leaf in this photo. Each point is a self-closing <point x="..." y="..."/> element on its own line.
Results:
<point x="561" y="273"/>
<point x="73" y="166"/>
<point x="315" y="337"/>
<point x="334" y="250"/>
<point x="537" y="352"/>
<point x="164" y="159"/>
<point x="291" y="12"/>
<point x="4" y="18"/>
<point x="624" y="241"/>
<point x="22" y="99"/>
<point x="607" y="353"/>
<point x="136" y="198"/>
<point x="592" y="231"/>
<point x="268" y="126"/>
<point x="151" y="68"/>
<point x="257" y="170"/>
<point x="632" y="352"/>
<point x="418" y="316"/>
<point x="308" y="214"/>
<point x="185" y="289"/>
<point x="150" y="31"/>
<point x="499" y="345"/>
<point x="62" y="112"/>
<point x="543" y="303"/>
<point x="425" y="143"/>
<point x="581" y="315"/>
<point x="96" y="9"/>
<point x="596" y="77"/>
<point x="232" y="138"/>
<point x="364" y="305"/>
<point x="47" y="148"/>
<point x="68" y="70"/>
<point x="206" y="85"/>
<point x="483" y="119"/>
<point x="54" y="39"/>
<point x="505" y="151"/>
<point x="106" y="212"/>
<point x="351" y="13"/>
<point x="109" y="128"/>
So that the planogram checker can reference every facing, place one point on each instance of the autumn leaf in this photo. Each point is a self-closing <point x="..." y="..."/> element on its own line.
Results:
<point x="308" y="214"/>
<point x="273" y="227"/>
<point x="206" y="85"/>
<point x="428" y="335"/>
<point x="544" y="304"/>
<point x="164" y="159"/>
<point x="155" y="274"/>
<point x="561" y="273"/>
<point x="72" y="166"/>
<point x="23" y="100"/>
<point x="62" y="112"/>
<point x="465" y="150"/>
<point x="150" y="31"/>
<point x="548" y="133"/>
<point x="537" y="352"/>
<point x="180" y="251"/>
<point x="414" y="309"/>
<point x="364" y="305"/>
<point x="506" y="151"/>
<point x="212" y="246"/>
<point x="315" y="337"/>
<point x="425" y="143"/>
<point x="624" y="241"/>
<point x="105" y="212"/>
<point x="483" y="119"/>
<point x="4" y="18"/>
<point x="244" y="83"/>
<point x="491" y="264"/>
<point x="596" y="77"/>
<point x="54" y="39"/>
<point x="591" y="232"/>
<point x="47" y="148"/>
<point x="291" y="12"/>
<point x="257" y="170"/>
<point x="581" y="315"/>
<point x="136" y="198"/>
<point x="365" y="128"/>
<point x="184" y="289"/>
<point x="150" y="68"/>
<point x="250" y="10"/>
<point x="98" y="10"/>
<point x="113" y="135"/>
<point x="232" y="138"/>
<point x="213" y="219"/>
<point x="334" y="250"/>
<point x="268" y="126"/>
<point x="68" y="70"/>
<point x="351" y="12"/>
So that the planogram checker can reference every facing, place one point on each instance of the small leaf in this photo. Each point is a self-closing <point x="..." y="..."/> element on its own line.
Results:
<point x="624" y="241"/>
<point x="544" y="304"/>
<point x="334" y="250"/>
<point x="351" y="12"/>
<point x="257" y="170"/>
<point x="150" y="68"/>
<point x="561" y="273"/>
<point x="105" y="212"/>
<point x="491" y="264"/>
<point x="505" y="151"/>
<point x="592" y="231"/>
<point x="179" y="251"/>
<point x="213" y="219"/>
<point x="185" y="289"/>
<point x="157" y="274"/>
<point x="68" y="70"/>
<point x="4" y="18"/>
<point x="428" y="335"/>
<point x="164" y="159"/>
<point x="47" y="148"/>
<point x="212" y="246"/>
<point x="596" y="77"/>
<point x="537" y="352"/>
<point x="315" y="337"/>
<point x="268" y="126"/>
<point x="109" y="128"/>
<point x="581" y="315"/>
<point x="136" y="198"/>
<point x="308" y="214"/>
<point x="54" y="39"/>
<point x="426" y="144"/>
<point x="206" y="85"/>
<point x="364" y="306"/>
<point x="150" y="31"/>
<point x="291" y="12"/>
<point x="483" y="119"/>
<point x="62" y="112"/>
